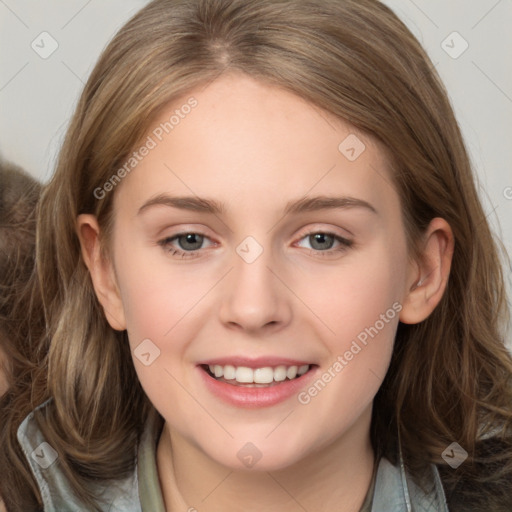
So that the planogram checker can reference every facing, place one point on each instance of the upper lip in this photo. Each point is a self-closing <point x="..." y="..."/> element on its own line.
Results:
<point x="258" y="362"/>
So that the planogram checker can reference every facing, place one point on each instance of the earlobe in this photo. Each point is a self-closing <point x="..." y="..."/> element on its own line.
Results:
<point x="429" y="277"/>
<point x="101" y="271"/>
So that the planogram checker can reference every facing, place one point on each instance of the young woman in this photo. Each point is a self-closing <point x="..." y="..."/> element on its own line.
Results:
<point x="269" y="281"/>
<point x="21" y="328"/>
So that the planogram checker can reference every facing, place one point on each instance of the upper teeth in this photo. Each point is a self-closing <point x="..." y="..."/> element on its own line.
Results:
<point x="265" y="375"/>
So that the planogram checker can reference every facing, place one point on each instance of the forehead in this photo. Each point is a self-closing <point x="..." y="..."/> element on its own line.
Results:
<point x="245" y="142"/>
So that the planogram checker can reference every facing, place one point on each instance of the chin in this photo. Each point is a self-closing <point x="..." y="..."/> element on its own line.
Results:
<point x="257" y="455"/>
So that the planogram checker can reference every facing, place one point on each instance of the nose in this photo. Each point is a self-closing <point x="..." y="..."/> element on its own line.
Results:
<point x="254" y="299"/>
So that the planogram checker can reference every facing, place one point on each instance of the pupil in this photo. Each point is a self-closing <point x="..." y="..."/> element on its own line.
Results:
<point x="321" y="238"/>
<point x="193" y="239"/>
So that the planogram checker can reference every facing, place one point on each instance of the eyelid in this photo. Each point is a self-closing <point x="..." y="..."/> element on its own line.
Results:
<point x="326" y="230"/>
<point x="166" y="239"/>
<point x="344" y="244"/>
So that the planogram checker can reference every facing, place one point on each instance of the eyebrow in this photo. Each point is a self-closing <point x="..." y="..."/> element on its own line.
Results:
<point x="306" y="204"/>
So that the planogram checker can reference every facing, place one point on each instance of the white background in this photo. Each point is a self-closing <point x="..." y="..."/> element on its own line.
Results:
<point x="37" y="95"/>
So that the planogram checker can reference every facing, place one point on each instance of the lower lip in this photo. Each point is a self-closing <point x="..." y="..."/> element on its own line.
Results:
<point x="252" y="397"/>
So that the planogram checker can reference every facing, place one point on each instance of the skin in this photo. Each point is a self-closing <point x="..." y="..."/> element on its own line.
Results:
<point x="254" y="148"/>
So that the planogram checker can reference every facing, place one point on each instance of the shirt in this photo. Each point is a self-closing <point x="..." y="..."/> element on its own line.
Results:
<point x="391" y="490"/>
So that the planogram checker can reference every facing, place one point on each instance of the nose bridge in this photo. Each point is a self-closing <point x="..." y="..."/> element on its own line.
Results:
<point x="253" y="297"/>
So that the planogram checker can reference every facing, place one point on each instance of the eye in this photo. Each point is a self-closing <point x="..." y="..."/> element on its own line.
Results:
<point x="188" y="244"/>
<point x="321" y="243"/>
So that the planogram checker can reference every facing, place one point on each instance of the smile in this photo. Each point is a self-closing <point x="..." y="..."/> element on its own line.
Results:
<point x="256" y="387"/>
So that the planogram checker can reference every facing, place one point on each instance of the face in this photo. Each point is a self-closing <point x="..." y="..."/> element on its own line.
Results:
<point x="289" y="252"/>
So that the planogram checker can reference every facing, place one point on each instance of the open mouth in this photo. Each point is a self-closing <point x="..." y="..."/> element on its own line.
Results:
<point x="256" y="377"/>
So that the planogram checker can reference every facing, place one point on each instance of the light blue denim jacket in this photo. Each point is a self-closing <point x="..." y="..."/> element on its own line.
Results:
<point x="394" y="490"/>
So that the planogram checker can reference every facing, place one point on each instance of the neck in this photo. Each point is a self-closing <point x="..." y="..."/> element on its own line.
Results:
<point x="335" y="478"/>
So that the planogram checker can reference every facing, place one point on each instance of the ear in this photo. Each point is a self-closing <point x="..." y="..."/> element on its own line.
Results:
<point x="101" y="271"/>
<point x="429" y="276"/>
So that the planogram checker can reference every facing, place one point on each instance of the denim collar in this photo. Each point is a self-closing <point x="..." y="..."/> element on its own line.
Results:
<point x="395" y="491"/>
<point x="56" y="493"/>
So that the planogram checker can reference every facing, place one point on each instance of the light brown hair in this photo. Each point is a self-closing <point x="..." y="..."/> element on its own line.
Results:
<point x="451" y="375"/>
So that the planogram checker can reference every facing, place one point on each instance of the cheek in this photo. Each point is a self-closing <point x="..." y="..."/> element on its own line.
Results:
<point x="148" y="310"/>
<point x="359" y="303"/>
<point x="155" y="295"/>
<point x="155" y="306"/>
<point x="163" y="310"/>
<point x="354" y="295"/>
<point x="358" y="354"/>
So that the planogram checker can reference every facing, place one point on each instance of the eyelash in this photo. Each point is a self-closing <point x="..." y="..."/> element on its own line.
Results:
<point x="344" y="244"/>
